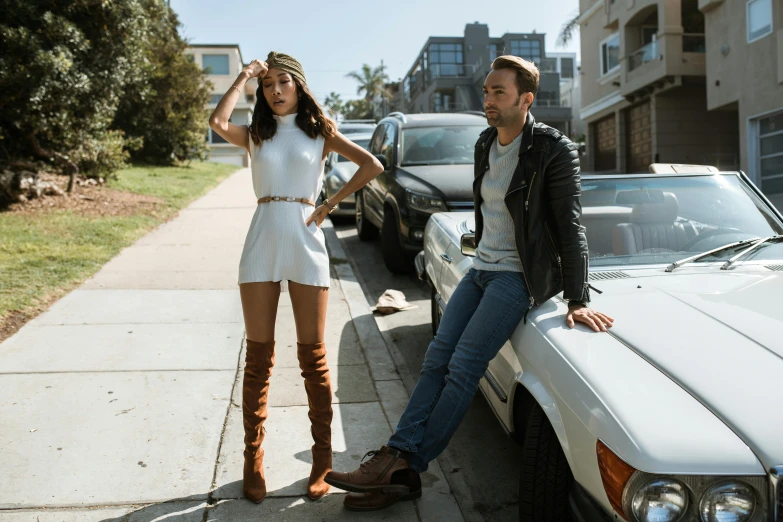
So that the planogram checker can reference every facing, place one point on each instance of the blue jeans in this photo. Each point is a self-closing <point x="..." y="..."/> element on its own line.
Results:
<point x="480" y="317"/>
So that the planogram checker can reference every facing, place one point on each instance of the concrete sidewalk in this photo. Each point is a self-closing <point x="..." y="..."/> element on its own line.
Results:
<point x="122" y="402"/>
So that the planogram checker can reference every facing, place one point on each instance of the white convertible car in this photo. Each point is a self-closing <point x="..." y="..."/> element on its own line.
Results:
<point x="677" y="413"/>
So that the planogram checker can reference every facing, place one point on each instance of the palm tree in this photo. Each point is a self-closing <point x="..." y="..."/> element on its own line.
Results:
<point x="372" y="82"/>
<point x="568" y="31"/>
<point x="334" y="103"/>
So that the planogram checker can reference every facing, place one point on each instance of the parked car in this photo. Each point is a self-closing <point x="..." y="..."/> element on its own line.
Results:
<point x="348" y="127"/>
<point x="428" y="168"/>
<point x="676" y="413"/>
<point x="338" y="170"/>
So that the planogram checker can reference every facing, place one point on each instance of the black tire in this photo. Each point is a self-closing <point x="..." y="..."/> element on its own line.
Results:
<point x="545" y="478"/>
<point x="394" y="257"/>
<point x="436" y="312"/>
<point x="365" y="229"/>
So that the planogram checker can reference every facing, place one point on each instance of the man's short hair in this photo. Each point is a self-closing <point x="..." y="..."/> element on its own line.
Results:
<point x="526" y="72"/>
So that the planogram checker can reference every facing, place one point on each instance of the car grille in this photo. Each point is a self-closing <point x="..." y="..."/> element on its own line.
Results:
<point x="779" y="501"/>
<point x="603" y="276"/>
<point x="776" y="475"/>
<point x="777" y="268"/>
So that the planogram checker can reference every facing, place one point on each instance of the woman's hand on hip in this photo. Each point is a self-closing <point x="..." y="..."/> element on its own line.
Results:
<point x="318" y="216"/>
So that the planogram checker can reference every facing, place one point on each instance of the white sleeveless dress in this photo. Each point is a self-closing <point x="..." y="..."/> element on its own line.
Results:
<point x="279" y="247"/>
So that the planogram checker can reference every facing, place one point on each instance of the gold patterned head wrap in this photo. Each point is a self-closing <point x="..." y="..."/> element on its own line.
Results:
<point x="286" y="63"/>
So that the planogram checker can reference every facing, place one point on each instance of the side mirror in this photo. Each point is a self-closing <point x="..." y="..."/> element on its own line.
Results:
<point x="382" y="159"/>
<point x="468" y="245"/>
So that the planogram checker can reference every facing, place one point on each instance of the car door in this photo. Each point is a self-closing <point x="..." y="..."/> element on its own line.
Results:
<point x="372" y="192"/>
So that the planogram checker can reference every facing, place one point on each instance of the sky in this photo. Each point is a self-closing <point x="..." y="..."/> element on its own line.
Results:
<point x="333" y="38"/>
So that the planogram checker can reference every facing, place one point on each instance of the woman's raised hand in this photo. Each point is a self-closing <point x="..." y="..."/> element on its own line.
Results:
<point x="256" y="68"/>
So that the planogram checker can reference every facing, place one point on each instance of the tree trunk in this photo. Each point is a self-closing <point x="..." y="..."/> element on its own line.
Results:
<point x="62" y="159"/>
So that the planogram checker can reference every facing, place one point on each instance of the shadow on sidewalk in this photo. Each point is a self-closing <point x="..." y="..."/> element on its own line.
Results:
<point x="222" y="503"/>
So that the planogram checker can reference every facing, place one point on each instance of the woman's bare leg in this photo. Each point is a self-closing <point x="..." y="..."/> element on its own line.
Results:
<point x="259" y="306"/>
<point x="309" y="303"/>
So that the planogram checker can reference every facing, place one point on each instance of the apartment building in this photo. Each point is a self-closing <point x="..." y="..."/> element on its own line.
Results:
<point x="643" y="87"/>
<point x="684" y="81"/>
<point x="448" y="75"/>
<point x="222" y="63"/>
<point x="745" y="79"/>
<point x="567" y="66"/>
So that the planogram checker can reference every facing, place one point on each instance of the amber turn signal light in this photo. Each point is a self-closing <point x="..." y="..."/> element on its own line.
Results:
<point x="615" y="474"/>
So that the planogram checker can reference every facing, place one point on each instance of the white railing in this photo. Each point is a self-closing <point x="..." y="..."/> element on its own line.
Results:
<point x="645" y="54"/>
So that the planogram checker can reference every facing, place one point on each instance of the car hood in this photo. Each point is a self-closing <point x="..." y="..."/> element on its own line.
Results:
<point x="718" y="335"/>
<point x="454" y="182"/>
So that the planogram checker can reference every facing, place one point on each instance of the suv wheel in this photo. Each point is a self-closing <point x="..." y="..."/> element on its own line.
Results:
<point x="395" y="258"/>
<point x="545" y="478"/>
<point x="364" y="228"/>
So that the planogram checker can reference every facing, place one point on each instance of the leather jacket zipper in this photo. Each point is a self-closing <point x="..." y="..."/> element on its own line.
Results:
<point x="529" y="190"/>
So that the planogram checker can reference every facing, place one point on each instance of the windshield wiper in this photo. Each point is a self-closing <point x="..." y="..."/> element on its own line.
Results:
<point x="681" y="262"/>
<point x="748" y="250"/>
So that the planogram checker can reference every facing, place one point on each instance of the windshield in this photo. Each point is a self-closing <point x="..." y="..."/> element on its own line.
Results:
<point x="439" y="145"/>
<point x="356" y="128"/>
<point x="640" y="221"/>
<point x="362" y="143"/>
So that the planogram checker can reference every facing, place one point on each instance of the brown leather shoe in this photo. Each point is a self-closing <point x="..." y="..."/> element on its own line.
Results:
<point x="312" y="361"/>
<point x="376" y="474"/>
<point x="376" y="500"/>
<point x="259" y="359"/>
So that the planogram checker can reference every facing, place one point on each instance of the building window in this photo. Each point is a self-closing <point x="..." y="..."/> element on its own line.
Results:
<point x="443" y="101"/>
<point x="548" y="65"/>
<point x="446" y="60"/>
<point x="493" y="52"/>
<point x="527" y="49"/>
<point x="215" y="137"/>
<point x="215" y="98"/>
<point x="610" y="54"/>
<point x="547" y="99"/>
<point x="215" y="63"/>
<point x="566" y="68"/>
<point x="759" y="19"/>
<point x="771" y="154"/>
<point x="249" y="98"/>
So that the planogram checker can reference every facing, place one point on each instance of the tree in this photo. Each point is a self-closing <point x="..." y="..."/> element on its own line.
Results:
<point x="358" y="110"/>
<point x="568" y="31"/>
<point x="165" y="112"/>
<point x="372" y="82"/>
<point x="63" y="71"/>
<point x="334" y="103"/>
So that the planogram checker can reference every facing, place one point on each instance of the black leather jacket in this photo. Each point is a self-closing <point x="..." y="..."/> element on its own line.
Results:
<point x="543" y="199"/>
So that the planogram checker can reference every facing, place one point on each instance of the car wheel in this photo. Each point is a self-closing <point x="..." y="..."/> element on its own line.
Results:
<point x="436" y="311"/>
<point x="394" y="257"/>
<point x="545" y="478"/>
<point x="364" y="228"/>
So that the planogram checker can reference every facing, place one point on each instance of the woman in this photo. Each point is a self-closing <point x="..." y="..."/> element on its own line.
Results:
<point x="288" y="139"/>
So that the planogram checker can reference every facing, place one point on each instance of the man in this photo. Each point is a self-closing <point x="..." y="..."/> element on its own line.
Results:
<point x="531" y="247"/>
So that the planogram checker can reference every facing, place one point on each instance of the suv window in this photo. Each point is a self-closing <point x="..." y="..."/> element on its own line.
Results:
<point x="377" y="140"/>
<point x="439" y="145"/>
<point x="387" y="147"/>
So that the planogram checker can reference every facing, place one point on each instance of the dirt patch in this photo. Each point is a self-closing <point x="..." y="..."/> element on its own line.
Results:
<point x="89" y="200"/>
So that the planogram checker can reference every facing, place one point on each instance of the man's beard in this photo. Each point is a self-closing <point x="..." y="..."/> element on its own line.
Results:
<point x="505" y="118"/>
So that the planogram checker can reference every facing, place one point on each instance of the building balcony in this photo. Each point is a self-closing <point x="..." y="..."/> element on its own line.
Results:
<point x="669" y="56"/>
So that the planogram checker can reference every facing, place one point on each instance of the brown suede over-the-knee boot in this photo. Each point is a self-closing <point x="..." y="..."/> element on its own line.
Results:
<point x="312" y="361"/>
<point x="259" y="359"/>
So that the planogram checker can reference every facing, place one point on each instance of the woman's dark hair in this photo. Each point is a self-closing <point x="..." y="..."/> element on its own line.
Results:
<point x="310" y="117"/>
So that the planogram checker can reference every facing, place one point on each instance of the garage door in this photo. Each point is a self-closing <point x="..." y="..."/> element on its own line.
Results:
<point x="639" y="125"/>
<point x="605" y="135"/>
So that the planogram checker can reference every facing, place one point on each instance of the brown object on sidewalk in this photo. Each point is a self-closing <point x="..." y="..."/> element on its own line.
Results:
<point x="312" y="361"/>
<point x="259" y="359"/>
<point x="377" y="474"/>
<point x="376" y="500"/>
<point x="287" y="199"/>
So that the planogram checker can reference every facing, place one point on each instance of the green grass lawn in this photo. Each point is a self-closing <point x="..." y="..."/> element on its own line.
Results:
<point x="44" y="255"/>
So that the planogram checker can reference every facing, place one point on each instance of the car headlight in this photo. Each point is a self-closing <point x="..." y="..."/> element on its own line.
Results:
<point x="424" y="202"/>
<point x="660" y="500"/>
<point x="727" y="502"/>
